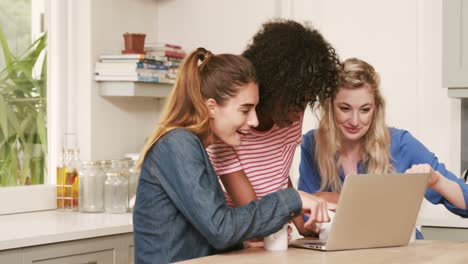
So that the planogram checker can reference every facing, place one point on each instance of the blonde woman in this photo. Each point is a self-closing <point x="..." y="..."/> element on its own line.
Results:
<point x="353" y="138"/>
<point x="180" y="210"/>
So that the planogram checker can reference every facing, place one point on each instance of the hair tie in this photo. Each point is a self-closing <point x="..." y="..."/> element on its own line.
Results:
<point x="204" y="56"/>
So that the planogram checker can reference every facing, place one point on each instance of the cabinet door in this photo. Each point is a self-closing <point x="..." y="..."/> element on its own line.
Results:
<point x="13" y="256"/>
<point x="101" y="257"/>
<point x="101" y="250"/>
<point x="455" y="43"/>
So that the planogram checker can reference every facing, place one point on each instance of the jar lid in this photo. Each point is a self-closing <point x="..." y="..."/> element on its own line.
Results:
<point x="90" y="162"/>
<point x="105" y="162"/>
<point x="113" y="174"/>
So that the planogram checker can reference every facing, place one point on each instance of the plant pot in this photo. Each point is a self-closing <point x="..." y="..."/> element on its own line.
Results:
<point x="134" y="43"/>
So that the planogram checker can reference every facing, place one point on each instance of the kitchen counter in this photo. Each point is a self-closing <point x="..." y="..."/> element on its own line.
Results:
<point x="37" y="228"/>
<point x="439" y="216"/>
<point x="417" y="252"/>
<point x="441" y="224"/>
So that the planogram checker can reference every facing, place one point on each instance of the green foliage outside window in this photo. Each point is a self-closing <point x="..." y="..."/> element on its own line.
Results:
<point x="23" y="135"/>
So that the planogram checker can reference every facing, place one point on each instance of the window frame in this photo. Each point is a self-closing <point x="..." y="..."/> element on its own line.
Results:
<point x="58" y="20"/>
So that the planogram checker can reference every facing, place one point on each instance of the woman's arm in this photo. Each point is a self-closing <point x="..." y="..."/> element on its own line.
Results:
<point x="183" y="169"/>
<point x="238" y="187"/>
<point x="450" y="190"/>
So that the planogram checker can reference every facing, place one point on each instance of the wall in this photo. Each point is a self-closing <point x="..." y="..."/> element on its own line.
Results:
<point x="107" y="128"/>
<point x="402" y="39"/>
<point x="220" y="26"/>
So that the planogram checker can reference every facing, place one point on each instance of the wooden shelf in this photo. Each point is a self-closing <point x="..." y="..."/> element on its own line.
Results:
<point x="134" y="89"/>
<point x="457" y="92"/>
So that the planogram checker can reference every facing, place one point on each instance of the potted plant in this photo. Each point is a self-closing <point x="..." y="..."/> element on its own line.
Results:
<point x="134" y="43"/>
<point x="23" y="138"/>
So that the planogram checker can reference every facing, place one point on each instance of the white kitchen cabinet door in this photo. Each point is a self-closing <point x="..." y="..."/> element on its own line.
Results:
<point x="14" y="256"/>
<point x="113" y="249"/>
<point x="455" y="44"/>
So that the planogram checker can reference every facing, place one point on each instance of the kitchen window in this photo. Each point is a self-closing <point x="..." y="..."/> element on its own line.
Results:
<point x="23" y="90"/>
<point x="32" y="188"/>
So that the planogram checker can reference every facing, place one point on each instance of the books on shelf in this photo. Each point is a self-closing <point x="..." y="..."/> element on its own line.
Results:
<point x="164" y="50"/>
<point x="161" y="45"/>
<point x="133" y="57"/>
<point x="159" y="64"/>
<point x="165" y="53"/>
<point x="128" y="66"/>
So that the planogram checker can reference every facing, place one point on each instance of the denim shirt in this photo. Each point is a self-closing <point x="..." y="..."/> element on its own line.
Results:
<point x="180" y="210"/>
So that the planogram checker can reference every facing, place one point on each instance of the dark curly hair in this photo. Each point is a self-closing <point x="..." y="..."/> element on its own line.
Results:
<point x="295" y="67"/>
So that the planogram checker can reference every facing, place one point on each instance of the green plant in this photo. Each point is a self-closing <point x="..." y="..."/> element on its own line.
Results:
<point x="23" y="137"/>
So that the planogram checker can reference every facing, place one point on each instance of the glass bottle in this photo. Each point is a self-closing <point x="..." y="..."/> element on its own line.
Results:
<point x="75" y="185"/>
<point x="91" y="187"/>
<point x="70" y="186"/>
<point x="68" y="179"/>
<point x="60" y="179"/>
<point x="116" y="193"/>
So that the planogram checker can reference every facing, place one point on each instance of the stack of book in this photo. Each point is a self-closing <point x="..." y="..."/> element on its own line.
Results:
<point x="159" y="64"/>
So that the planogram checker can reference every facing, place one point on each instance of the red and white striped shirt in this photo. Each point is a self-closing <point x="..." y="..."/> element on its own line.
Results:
<point x="265" y="158"/>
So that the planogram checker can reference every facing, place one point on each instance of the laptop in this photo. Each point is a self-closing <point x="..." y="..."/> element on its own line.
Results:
<point x="373" y="211"/>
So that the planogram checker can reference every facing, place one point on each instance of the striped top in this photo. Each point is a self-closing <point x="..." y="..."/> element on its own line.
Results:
<point x="265" y="157"/>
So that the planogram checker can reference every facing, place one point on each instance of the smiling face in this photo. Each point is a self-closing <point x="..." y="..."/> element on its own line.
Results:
<point x="353" y="110"/>
<point x="234" y="119"/>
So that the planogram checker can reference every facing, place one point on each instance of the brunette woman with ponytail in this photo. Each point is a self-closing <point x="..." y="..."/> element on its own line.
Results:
<point x="180" y="210"/>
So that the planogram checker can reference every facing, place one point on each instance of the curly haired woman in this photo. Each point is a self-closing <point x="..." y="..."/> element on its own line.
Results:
<point x="295" y="66"/>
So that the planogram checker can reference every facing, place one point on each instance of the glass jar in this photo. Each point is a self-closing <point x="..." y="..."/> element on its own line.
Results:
<point x="116" y="193"/>
<point x="133" y="175"/>
<point x="91" y="189"/>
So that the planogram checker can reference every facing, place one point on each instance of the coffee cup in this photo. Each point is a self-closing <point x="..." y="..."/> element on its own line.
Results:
<point x="278" y="240"/>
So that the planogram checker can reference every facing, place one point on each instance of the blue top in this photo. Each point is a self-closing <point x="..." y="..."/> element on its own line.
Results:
<point x="180" y="210"/>
<point x="405" y="150"/>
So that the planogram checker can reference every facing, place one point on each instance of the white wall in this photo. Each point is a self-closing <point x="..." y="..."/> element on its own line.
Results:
<point x="401" y="38"/>
<point x="107" y="128"/>
<point x="222" y="26"/>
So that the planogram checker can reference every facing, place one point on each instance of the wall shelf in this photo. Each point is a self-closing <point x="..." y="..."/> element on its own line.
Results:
<point x="458" y="92"/>
<point x="134" y="89"/>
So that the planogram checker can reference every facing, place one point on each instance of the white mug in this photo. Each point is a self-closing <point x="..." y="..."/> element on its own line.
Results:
<point x="325" y="227"/>
<point x="278" y="240"/>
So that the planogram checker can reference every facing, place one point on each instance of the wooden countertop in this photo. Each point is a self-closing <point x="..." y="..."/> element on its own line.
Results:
<point x="446" y="252"/>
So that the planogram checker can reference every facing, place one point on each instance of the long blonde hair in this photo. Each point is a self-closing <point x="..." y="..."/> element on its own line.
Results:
<point x="375" y="150"/>
<point x="216" y="76"/>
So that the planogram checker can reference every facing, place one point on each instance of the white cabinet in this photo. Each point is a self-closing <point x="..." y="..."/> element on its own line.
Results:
<point x="13" y="256"/>
<point x="455" y="47"/>
<point x="114" y="249"/>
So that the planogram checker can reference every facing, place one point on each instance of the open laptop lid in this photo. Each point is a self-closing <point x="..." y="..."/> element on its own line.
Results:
<point x="377" y="210"/>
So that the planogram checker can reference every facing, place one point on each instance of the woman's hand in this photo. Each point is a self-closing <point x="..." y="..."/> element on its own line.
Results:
<point x="315" y="208"/>
<point x="258" y="242"/>
<point x="435" y="176"/>
<point x="254" y="243"/>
